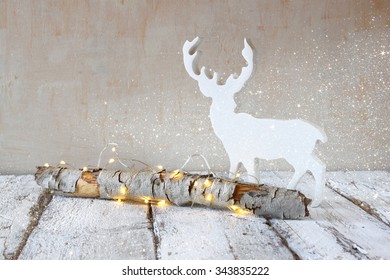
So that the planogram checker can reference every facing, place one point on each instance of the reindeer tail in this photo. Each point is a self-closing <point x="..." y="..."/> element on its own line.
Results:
<point x="322" y="135"/>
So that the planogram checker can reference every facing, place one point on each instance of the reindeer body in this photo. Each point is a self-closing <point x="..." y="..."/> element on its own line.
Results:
<point x="246" y="138"/>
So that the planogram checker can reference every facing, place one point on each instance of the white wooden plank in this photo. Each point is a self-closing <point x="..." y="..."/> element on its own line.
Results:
<point x="350" y="224"/>
<point x="75" y="228"/>
<point x="251" y="237"/>
<point x="72" y="228"/>
<point x="310" y="241"/>
<point x="203" y="233"/>
<point x="336" y="230"/>
<point x="370" y="190"/>
<point x="19" y="196"/>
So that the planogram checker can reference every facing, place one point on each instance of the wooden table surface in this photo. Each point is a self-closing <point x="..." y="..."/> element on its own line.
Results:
<point x="353" y="222"/>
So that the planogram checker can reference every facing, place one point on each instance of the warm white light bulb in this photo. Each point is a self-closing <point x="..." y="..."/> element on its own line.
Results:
<point x="237" y="209"/>
<point x="161" y="203"/>
<point x="85" y="168"/>
<point x="243" y="211"/>
<point x="111" y="160"/>
<point x="46" y="165"/>
<point x="233" y="207"/>
<point x="62" y="162"/>
<point x="207" y="183"/>
<point x="176" y="174"/>
<point x="123" y="189"/>
<point x="209" y="197"/>
<point x="113" y="149"/>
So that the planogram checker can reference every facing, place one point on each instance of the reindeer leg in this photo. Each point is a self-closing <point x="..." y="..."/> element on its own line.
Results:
<point x="233" y="168"/>
<point x="317" y="168"/>
<point x="299" y="171"/>
<point x="251" y="170"/>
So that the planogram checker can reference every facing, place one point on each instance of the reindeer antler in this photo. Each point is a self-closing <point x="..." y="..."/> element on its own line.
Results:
<point x="189" y="58"/>
<point x="246" y="71"/>
<point x="233" y="84"/>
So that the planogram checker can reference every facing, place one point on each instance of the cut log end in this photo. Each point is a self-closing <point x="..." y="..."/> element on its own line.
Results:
<point x="306" y="202"/>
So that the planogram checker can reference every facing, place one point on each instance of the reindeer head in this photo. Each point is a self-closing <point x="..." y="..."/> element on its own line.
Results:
<point x="211" y="87"/>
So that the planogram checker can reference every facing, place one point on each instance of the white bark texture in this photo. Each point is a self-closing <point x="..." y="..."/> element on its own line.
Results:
<point x="178" y="188"/>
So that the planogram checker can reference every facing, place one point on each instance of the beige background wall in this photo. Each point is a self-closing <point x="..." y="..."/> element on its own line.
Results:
<point x="75" y="75"/>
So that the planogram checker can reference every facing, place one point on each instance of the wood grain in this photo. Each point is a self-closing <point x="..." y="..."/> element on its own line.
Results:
<point x="91" y="229"/>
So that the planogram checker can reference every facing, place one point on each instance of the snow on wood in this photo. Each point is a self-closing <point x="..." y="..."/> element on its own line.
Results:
<point x="21" y="202"/>
<point x="358" y="232"/>
<point x="74" y="228"/>
<point x="336" y="230"/>
<point x="370" y="190"/>
<point x="201" y="233"/>
<point x="310" y="241"/>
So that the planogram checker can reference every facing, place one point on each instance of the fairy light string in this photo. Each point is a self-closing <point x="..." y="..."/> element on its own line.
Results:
<point x="200" y="183"/>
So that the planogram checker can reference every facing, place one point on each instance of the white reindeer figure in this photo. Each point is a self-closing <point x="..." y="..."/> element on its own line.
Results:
<point x="246" y="138"/>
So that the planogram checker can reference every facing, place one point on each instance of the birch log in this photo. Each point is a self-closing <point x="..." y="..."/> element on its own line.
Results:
<point x="178" y="188"/>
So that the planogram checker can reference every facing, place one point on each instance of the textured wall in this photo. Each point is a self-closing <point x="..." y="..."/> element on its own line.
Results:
<point x="75" y="75"/>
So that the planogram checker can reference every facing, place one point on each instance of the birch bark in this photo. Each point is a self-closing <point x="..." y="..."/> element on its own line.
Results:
<point x="182" y="189"/>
